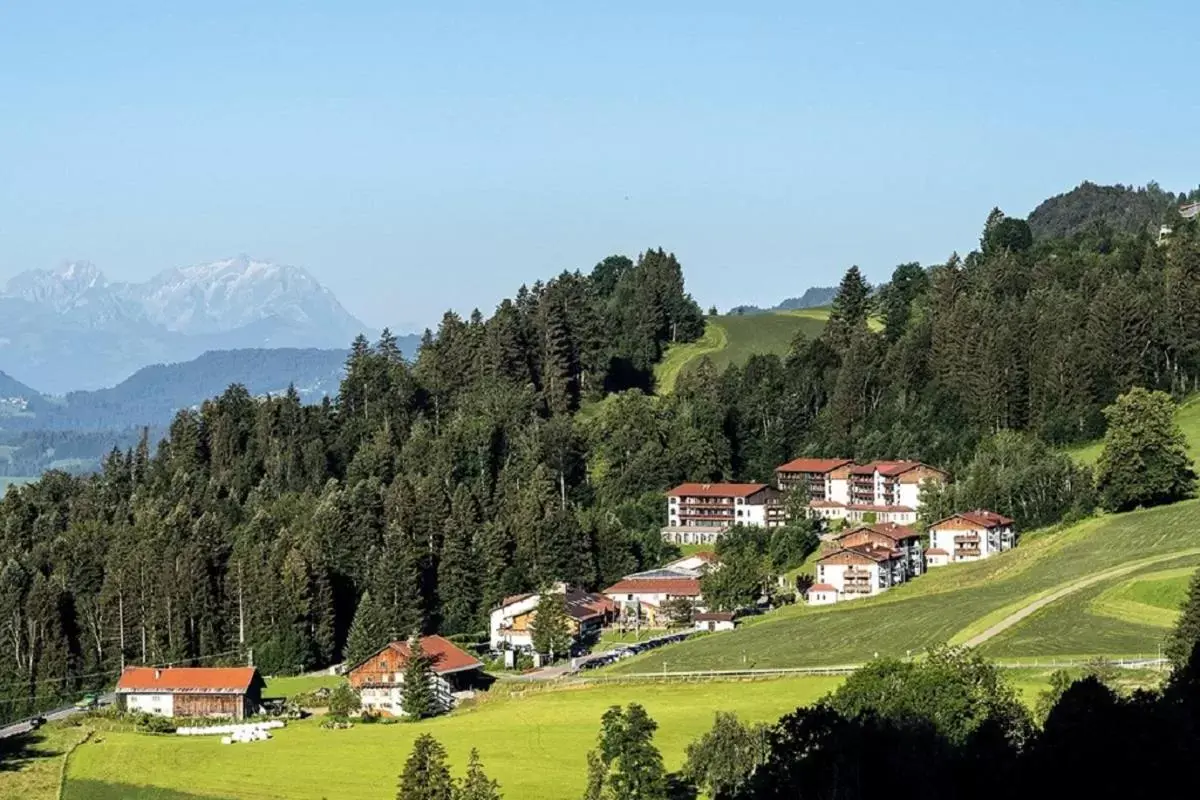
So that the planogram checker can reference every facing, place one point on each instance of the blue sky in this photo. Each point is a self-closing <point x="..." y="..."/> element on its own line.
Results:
<point x="417" y="157"/>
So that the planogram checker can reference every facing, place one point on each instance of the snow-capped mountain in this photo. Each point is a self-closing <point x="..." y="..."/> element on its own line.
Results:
<point x="231" y="294"/>
<point x="70" y="328"/>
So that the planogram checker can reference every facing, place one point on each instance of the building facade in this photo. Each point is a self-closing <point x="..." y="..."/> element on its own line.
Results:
<point x="969" y="536"/>
<point x="511" y="623"/>
<point x="645" y="594"/>
<point x="863" y="571"/>
<point x="902" y="539"/>
<point x="380" y="679"/>
<point x="225" y="692"/>
<point x="700" y="513"/>
<point x="882" y="491"/>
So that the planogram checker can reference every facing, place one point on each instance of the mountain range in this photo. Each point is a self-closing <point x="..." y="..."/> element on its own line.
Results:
<point x="813" y="297"/>
<point x="72" y="329"/>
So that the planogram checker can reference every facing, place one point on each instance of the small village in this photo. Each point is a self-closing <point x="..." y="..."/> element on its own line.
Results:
<point x="867" y="516"/>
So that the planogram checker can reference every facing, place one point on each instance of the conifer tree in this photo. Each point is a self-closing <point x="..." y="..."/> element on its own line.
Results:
<point x="419" y="700"/>
<point x="1187" y="629"/>
<point x="476" y="785"/>
<point x="426" y="775"/>
<point x="550" y="629"/>
<point x="368" y="632"/>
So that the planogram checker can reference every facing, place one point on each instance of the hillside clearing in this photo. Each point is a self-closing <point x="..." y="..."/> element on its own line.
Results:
<point x="954" y="603"/>
<point x="734" y="338"/>
<point x="1188" y="417"/>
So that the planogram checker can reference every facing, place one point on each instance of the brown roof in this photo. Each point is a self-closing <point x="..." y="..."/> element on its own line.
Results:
<point x="891" y="530"/>
<point x="714" y="616"/>
<point x="585" y="605"/>
<point x="716" y="489"/>
<point x="875" y="554"/>
<point x="446" y="656"/>
<point x="679" y="587"/>
<point x="514" y="598"/>
<point x="187" y="679"/>
<point x="821" y="587"/>
<point x="815" y="465"/>
<point x="980" y="517"/>
<point x="936" y="551"/>
<point x="890" y="468"/>
<point x="825" y="504"/>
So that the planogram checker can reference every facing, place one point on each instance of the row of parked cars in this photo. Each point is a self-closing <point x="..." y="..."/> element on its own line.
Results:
<point x="633" y="648"/>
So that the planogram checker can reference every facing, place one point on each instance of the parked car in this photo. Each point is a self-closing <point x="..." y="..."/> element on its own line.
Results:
<point x="37" y="722"/>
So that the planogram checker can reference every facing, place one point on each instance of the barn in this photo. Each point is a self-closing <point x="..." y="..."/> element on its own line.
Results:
<point x="233" y="692"/>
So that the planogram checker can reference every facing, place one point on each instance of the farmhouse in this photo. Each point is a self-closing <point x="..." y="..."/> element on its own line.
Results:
<point x="700" y="513"/>
<point x="861" y="571"/>
<point x="969" y="536"/>
<point x="883" y="491"/>
<point x="510" y="623"/>
<point x="234" y="692"/>
<point x="380" y="679"/>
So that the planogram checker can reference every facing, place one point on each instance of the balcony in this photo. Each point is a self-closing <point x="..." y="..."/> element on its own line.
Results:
<point x="968" y="539"/>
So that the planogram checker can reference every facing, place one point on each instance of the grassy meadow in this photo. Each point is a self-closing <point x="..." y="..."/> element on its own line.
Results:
<point x="1188" y="417"/>
<point x="733" y="338"/>
<point x="535" y="743"/>
<point x="954" y="603"/>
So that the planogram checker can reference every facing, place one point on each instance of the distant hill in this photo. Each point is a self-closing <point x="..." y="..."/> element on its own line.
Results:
<point x="814" y="297"/>
<point x="71" y="328"/>
<point x="17" y="398"/>
<point x="1126" y="209"/>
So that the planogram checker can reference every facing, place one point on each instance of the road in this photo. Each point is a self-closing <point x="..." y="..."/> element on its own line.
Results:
<point x="26" y="725"/>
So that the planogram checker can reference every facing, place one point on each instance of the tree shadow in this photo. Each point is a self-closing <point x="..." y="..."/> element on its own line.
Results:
<point x="17" y="752"/>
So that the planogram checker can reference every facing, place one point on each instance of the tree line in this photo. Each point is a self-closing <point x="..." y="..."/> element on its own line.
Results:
<point x="527" y="448"/>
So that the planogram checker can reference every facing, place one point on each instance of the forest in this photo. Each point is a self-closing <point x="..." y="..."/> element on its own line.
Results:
<point x="529" y="446"/>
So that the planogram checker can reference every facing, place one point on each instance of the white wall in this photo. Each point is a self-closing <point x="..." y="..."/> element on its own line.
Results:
<point x="908" y="494"/>
<point x="504" y="615"/>
<point x="838" y="490"/>
<point x="162" y="705"/>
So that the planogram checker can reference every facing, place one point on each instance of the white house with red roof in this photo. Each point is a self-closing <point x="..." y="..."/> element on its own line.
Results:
<point x="859" y="571"/>
<point x="969" y="536"/>
<point x="646" y="593"/>
<point x="232" y="692"/>
<point x="821" y="594"/>
<point x="700" y="513"/>
<point x="887" y="491"/>
<point x="379" y="680"/>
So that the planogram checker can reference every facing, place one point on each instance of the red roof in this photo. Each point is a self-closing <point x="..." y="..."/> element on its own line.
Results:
<point x="825" y="504"/>
<point x="936" y="551"/>
<point x="446" y="656"/>
<point x="716" y="489"/>
<point x="873" y="553"/>
<point x="891" y="530"/>
<point x="889" y="468"/>
<point x="821" y="587"/>
<point x="185" y="679"/>
<point x="815" y="465"/>
<point x="678" y="587"/>
<point x="980" y="517"/>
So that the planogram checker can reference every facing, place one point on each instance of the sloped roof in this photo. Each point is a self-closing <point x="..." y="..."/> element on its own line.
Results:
<point x="680" y="587"/>
<point x="821" y="587"/>
<point x="897" y="533"/>
<point x="936" y="551"/>
<point x="187" y="679"/>
<point x="447" y="657"/>
<point x="980" y="517"/>
<point x="816" y="465"/>
<point x="714" y="616"/>
<point x="716" y="489"/>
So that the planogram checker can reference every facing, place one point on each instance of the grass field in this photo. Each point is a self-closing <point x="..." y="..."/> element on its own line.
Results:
<point x="733" y="338"/>
<point x="956" y="602"/>
<point x="535" y="744"/>
<point x="1150" y="599"/>
<point x="1188" y="417"/>
<point x="32" y="762"/>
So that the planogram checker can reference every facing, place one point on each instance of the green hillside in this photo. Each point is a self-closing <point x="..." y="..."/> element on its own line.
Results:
<point x="1188" y="417"/>
<point x="733" y="338"/>
<point x="961" y="603"/>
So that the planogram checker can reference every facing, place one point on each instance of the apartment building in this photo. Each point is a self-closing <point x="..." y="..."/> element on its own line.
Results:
<point x="700" y="513"/>
<point x="969" y="536"/>
<point x="861" y="571"/>
<point x="901" y="538"/>
<point x="885" y="491"/>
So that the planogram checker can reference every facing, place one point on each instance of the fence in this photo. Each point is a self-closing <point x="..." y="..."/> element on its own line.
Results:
<point x="1134" y="662"/>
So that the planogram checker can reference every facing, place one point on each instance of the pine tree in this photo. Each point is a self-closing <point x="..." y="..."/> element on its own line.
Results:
<point x="426" y="775"/>
<point x="626" y="765"/>
<point x="550" y="629"/>
<point x="419" y="700"/>
<point x="458" y="568"/>
<point x="368" y="633"/>
<point x="476" y="785"/>
<point x="851" y="308"/>
<point x="1186" y="635"/>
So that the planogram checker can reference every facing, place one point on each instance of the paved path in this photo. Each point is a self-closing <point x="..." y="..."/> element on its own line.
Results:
<point x="1024" y="612"/>
<point x="26" y="725"/>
